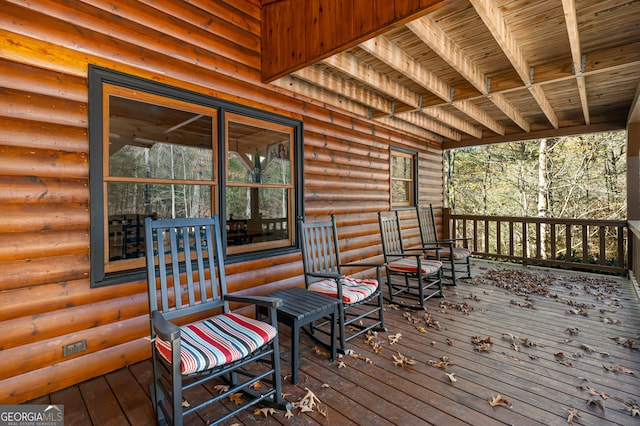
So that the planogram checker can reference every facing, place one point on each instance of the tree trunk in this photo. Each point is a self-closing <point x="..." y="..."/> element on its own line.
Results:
<point x="543" y="195"/>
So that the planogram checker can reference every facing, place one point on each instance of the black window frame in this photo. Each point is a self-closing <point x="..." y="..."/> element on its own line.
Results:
<point x="97" y="76"/>
<point x="414" y="155"/>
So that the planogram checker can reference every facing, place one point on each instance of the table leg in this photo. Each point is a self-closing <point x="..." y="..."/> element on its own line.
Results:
<point x="295" y="342"/>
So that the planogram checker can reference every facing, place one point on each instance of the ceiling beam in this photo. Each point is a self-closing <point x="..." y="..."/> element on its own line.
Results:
<point x="494" y="20"/>
<point x="538" y="134"/>
<point x="310" y="91"/>
<point x="510" y="111"/>
<point x="634" y="111"/>
<point x="350" y="65"/>
<point x="396" y="123"/>
<point x="425" y="122"/>
<point x="570" y="17"/>
<point x="350" y="90"/>
<point x="431" y="34"/>
<point x="480" y="115"/>
<point x="452" y="120"/>
<point x="389" y="53"/>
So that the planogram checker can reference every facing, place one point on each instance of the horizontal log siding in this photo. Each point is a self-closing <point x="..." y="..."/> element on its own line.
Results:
<point x="212" y="47"/>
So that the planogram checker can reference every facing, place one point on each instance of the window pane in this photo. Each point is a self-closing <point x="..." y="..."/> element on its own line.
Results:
<point x="130" y="203"/>
<point x="401" y="167"/>
<point x="257" y="214"/>
<point x="258" y="154"/>
<point x="154" y="141"/>
<point x="400" y="191"/>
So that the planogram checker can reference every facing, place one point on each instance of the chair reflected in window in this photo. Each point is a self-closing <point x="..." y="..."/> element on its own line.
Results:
<point x="420" y="278"/>
<point x="187" y="284"/>
<point x="360" y="308"/>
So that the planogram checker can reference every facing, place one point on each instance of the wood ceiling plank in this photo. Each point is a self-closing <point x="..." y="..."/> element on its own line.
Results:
<point x="425" y="122"/>
<point x="396" y="123"/>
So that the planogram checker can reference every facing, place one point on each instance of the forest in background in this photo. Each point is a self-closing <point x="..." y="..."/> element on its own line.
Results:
<point x="581" y="177"/>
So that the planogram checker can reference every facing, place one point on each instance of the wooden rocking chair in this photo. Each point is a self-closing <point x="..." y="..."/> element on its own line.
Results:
<point x="360" y="308"/>
<point x="456" y="260"/>
<point x="186" y="277"/>
<point x="422" y="278"/>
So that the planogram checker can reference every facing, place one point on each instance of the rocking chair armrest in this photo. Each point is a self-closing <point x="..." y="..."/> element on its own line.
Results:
<point x="325" y="275"/>
<point x="165" y="329"/>
<point x="359" y="264"/>
<point x="453" y="240"/>
<point x="266" y="301"/>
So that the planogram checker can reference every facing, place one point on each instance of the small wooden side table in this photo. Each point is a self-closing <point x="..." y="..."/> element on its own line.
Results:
<point x="299" y="308"/>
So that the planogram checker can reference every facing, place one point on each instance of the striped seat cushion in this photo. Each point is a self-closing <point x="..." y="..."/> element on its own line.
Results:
<point x="217" y="341"/>
<point x="458" y="253"/>
<point x="429" y="267"/>
<point x="353" y="290"/>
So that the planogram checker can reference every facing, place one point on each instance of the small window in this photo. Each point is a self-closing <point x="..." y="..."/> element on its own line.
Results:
<point x="403" y="178"/>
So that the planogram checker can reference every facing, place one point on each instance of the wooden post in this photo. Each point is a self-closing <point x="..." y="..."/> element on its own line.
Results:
<point x="446" y="223"/>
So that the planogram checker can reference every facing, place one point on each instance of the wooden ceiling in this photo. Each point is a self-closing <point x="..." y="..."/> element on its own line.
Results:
<point x="471" y="72"/>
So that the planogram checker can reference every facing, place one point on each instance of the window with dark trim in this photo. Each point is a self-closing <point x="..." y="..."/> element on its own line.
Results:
<point x="160" y="151"/>
<point x="404" y="177"/>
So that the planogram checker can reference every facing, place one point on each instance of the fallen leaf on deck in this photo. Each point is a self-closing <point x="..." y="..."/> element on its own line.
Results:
<point x="221" y="388"/>
<point x="403" y="361"/>
<point x="451" y="378"/>
<point x="185" y="403"/>
<point x="236" y="398"/>
<point x="587" y="348"/>
<point x="257" y="385"/>
<point x="341" y="364"/>
<point x="499" y="401"/>
<point x="618" y="369"/>
<point x="573" y="413"/>
<point x="394" y="339"/>
<point x="421" y="329"/>
<point x="264" y="411"/>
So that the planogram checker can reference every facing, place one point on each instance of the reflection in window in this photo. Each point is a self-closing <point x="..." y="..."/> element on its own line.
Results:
<point x="259" y="193"/>
<point x="403" y="185"/>
<point x="160" y="164"/>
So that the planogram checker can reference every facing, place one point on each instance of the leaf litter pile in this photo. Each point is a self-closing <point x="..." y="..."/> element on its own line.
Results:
<point x="603" y="300"/>
<point x="527" y="288"/>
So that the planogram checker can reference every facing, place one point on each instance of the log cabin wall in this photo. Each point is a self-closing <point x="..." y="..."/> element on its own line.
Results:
<point x="209" y="46"/>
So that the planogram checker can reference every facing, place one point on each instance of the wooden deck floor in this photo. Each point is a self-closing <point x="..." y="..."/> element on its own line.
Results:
<point x="571" y="349"/>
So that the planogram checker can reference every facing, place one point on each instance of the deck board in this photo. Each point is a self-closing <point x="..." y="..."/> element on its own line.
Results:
<point x="540" y="388"/>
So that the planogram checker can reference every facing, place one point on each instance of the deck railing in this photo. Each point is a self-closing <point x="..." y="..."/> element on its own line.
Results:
<point x="582" y="244"/>
<point x="634" y="239"/>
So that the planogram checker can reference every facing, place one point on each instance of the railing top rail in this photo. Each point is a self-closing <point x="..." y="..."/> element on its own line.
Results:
<point x="559" y="221"/>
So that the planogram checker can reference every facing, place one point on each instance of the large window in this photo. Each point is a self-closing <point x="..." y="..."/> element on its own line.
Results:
<point x="403" y="178"/>
<point x="259" y="184"/>
<point x="158" y="151"/>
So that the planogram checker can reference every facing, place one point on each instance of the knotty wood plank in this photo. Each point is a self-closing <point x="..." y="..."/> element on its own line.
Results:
<point x="130" y="395"/>
<point x="101" y="403"/>
<point x="75" y="411"/>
